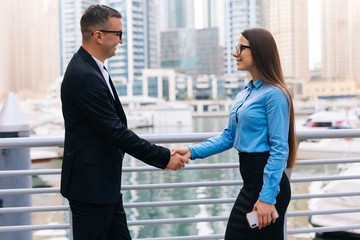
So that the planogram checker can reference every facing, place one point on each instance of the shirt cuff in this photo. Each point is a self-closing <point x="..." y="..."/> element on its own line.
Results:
<point x="268" y="195"/>
<point x="193" y="153"/>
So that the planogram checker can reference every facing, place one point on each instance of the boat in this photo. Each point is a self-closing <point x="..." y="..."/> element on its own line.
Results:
<point x="330" y="148"/>
<point x="332" y="119"/>
<point x="342" y="219"/>
<point x="43" y="155"/>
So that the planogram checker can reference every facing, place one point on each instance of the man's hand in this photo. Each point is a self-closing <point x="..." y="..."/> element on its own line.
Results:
<point x="177" y="162"/>
<point x="184" y="151"/>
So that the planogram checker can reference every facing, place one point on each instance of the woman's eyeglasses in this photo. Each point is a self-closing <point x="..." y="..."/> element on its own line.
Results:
<point x="240" y="48"/>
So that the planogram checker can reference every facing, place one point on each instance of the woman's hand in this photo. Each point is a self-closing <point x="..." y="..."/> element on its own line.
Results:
<point x="184" y="151"/>
<point x="266" y="213"/>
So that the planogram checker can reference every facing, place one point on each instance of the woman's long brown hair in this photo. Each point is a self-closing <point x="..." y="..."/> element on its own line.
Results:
<point x="266" y="57"/>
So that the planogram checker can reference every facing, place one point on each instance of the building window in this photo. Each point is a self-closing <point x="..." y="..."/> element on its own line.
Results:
<point x="206" y="108"/>
<point x="222" y="108"/>
<point x="153" y="87"/>
<point x="165" y="85"/>
<point x="136" y="4"/>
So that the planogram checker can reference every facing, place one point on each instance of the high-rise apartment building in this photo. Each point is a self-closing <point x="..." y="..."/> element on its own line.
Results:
<point x="29" y="48"/>
<point x="288" y="22"/>
<point x="239" y="15"/>
<point x="340" y="40"/>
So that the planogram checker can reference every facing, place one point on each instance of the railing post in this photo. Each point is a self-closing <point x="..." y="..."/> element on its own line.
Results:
<point x="12" y="124"/>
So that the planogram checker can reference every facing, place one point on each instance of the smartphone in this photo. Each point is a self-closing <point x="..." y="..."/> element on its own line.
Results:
<point x="252" y="218"/>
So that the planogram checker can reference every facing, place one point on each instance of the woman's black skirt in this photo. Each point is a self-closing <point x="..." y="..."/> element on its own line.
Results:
<point x="251" y="169"/>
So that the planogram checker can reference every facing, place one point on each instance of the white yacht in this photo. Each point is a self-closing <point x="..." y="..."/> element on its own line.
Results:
<point x="336" y="203"/>
<point x="330" y="148"/>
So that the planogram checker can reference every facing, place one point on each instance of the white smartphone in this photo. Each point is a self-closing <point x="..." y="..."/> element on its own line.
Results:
<point x="252" y="218"/>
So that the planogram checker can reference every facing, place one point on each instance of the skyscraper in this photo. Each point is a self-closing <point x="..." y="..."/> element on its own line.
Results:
<point x="139" y="49"/>
<point x="239" y="15"/>
<point x="70" y="33"/>
<point x="288" y="22"/>
<point x="340" y="40"/>
<point x="29" y="48"/>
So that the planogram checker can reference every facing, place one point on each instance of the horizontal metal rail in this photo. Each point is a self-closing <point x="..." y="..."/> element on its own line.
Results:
<point x="170" y="204"/>
<point x="177" y="220"/>
<point x="334" y="133"/>
<point x="324" y="178"/>
<point x="22" y="228"/>
<point x="179" y="203"/>
<point x="327" y="161"/>
<point x="323" y="229"/>
<point x="33" y="209"/>
<point x="325" y="195"/>
<point x="17" y="191"/>
<point x="322" y="212"/>
<point x="216" y="236"/>
<point x="25" y="142"/>
<point x="9" y="173"/>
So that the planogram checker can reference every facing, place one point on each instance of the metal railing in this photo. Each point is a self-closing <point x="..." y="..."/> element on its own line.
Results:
<point x="8" y="143"/>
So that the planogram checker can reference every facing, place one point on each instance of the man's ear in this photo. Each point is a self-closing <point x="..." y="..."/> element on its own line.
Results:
<point x="98" y="36"/>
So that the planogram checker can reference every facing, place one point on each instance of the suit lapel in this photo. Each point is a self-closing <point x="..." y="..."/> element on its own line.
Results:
<point x="116" y="101"/>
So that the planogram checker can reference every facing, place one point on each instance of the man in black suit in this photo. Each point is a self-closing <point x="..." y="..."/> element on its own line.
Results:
<point x="96" y="134"/>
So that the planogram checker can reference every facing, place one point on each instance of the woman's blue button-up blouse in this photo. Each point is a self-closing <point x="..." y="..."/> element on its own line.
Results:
<point x="258" y="122"/>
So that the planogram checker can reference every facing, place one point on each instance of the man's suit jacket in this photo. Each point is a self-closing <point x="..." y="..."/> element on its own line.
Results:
<point x="96" y="136"/>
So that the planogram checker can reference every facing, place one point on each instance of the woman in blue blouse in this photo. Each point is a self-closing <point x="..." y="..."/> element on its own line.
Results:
<point x="261" y="128"/>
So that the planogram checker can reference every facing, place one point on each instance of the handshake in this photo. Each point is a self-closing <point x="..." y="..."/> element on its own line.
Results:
<point x="179" y="156"/>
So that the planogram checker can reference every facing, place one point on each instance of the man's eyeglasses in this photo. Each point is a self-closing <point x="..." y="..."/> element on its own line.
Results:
<point x="106" y="31"/>
<point x="240" y="48"/>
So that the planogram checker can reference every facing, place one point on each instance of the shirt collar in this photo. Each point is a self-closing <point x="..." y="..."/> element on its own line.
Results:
<point x="99" y="63"/>
<point x="257" y="84"/>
